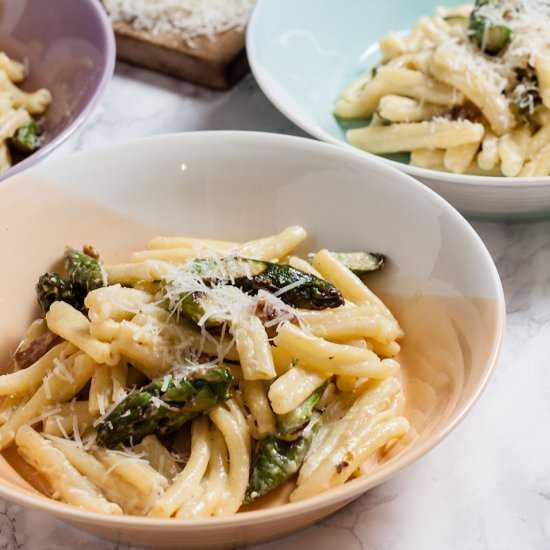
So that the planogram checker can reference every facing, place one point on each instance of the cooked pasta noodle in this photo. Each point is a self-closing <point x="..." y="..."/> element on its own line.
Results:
<point x="466" y="91"/>
<point x="222" y="380"/>
<point x="18" y="129"/>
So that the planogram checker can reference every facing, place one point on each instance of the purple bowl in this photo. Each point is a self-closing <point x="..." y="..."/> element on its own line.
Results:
<point x="70" y="49"/>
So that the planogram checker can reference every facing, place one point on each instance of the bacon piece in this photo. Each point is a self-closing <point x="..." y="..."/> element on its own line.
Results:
<point x="35" y="350"/>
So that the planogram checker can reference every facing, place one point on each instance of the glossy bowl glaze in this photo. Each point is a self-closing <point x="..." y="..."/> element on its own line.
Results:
<point x="303" y="54"/>
<point x="238" y="186"/>
<point x="69" y="48"/>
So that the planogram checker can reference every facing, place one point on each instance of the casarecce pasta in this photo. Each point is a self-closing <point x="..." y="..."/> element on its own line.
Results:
<point x="467" y="90"/>
<point x="18" y="109"/>
<point x="188" y="385"/>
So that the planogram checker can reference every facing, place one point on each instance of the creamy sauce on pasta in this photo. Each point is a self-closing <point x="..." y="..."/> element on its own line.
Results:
<point x="445" y="339"/>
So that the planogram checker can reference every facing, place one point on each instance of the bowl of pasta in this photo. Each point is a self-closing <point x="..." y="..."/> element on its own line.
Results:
<point x="456" y="96"/>
<point x="209" y="348"/>
<point x="51" y="75"/>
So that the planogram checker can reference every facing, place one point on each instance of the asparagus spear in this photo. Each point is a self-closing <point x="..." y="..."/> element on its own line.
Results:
<point x="52" y="287"/>
<point x="526" y="93"/>
<point x="280" y="456"/>
<point x="153" y="409"/>
<point x="290" y="425"/>
<point x="84" y="270"/>
<point x="216" y="301"/>
<point x="277" y="460"/>
<point x="299" y="289"/>
<point x="308" y="292"/>
<point x="84" y="273"/>
<point x="26" y="138"/>
<point x="361" y="263"/>
<point x="491" y="35"/>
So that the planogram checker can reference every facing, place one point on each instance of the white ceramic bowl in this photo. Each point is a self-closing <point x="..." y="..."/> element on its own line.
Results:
<point x="303" y="54"/>
<point x="440" y="280"/>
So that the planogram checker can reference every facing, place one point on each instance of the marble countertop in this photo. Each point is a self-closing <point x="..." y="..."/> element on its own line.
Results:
<point x="487" y="486"/>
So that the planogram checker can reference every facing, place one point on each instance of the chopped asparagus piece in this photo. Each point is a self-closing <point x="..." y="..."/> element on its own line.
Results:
<point x="153" y="409"/>
<point x="217" y="301"/>
<point x="361" y="263"/>
<point x="26" y="138"/>
<point x="84" y="273"/>
<point x="223" y="282"/>
<point x="526" y="93"/>
<point x="52" y="287"/>
<point x="84" y="270"/>
<point x="277" y="460"/>
<point x="290" y="425"/>
<point x="249" y="275"/>
<point x="491" y="36"/>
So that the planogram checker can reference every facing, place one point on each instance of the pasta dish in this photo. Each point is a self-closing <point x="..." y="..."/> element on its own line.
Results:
<point x="467" y="91"/>
<point x="19" y="132"/>
<point x="203" y="374"/>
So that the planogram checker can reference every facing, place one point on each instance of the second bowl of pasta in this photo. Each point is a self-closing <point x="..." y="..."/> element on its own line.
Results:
<point x="194" y="356"/>
<point x="51" y="75"/>
<point x="456" y="96"/>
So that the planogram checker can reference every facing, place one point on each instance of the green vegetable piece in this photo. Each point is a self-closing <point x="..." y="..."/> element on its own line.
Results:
<point x="84" y="273"/>
<point x="226" y="275"/>
<point x="26" y="138"/>
<point x="361" y="263"/>
<point x="528" y="100"/>
<point x="491" y="36"/>
<point x="249" y="275"/>
<point x="52" y="287"/>
<point x="193" y="305"/>
<point x="290" y="425"/>
<point x="153" y="409"/>
<point x="84" y="270"/>
<point x="277" y="460"/>
<point x="527" y="91"/>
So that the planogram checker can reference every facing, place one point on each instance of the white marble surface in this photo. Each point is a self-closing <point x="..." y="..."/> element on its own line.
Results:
<point x="487" y="486"/>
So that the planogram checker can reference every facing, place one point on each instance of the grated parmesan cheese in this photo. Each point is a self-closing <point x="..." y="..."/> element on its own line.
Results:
<point x="529" y="21"/>
<point x="58" y="421"/>
<point x="47" y="390"/>
<point x="43" y="416"/>
<point x="192" y="17"/>
<point x="158" y="403"/>
<point x="61" y="371"/>
<point x="108" y="412"/>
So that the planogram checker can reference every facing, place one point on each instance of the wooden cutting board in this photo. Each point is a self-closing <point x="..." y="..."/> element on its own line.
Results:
<point x="217" y="62"/>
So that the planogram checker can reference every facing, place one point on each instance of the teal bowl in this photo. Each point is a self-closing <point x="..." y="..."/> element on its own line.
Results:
<point x="304" y="53"/>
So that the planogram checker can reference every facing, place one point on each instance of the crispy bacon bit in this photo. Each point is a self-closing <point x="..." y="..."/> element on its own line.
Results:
<point x="267" y="311"/>
<point x="341" y="466"/>
<point x="35" y="350"/>
<point x="90" y="251"/>
<point x="468" y="111"/>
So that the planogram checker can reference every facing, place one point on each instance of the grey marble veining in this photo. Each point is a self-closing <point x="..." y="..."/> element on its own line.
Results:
<point x="487" y="486"/>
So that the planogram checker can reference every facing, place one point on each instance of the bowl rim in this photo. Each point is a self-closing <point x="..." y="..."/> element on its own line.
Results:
<point x="317" y="131"/>
<point x="108" y="37"/>
<point x="349" y="490"/>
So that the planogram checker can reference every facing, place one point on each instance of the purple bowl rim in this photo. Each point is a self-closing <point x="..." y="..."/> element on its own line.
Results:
<point x="108" y="36"/>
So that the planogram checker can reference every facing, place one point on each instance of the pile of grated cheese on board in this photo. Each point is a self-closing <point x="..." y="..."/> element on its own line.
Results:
<point x="192" y="17"/>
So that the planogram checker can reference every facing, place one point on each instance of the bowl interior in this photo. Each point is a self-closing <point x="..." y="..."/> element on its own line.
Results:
<point x="304" y="62"/>
<point x="69" y="49"/>
<point x="119" y="197"/>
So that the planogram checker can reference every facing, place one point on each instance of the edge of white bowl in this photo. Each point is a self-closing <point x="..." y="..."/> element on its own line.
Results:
<point x="317" y="132"/>
<point x="340" y="494"/>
